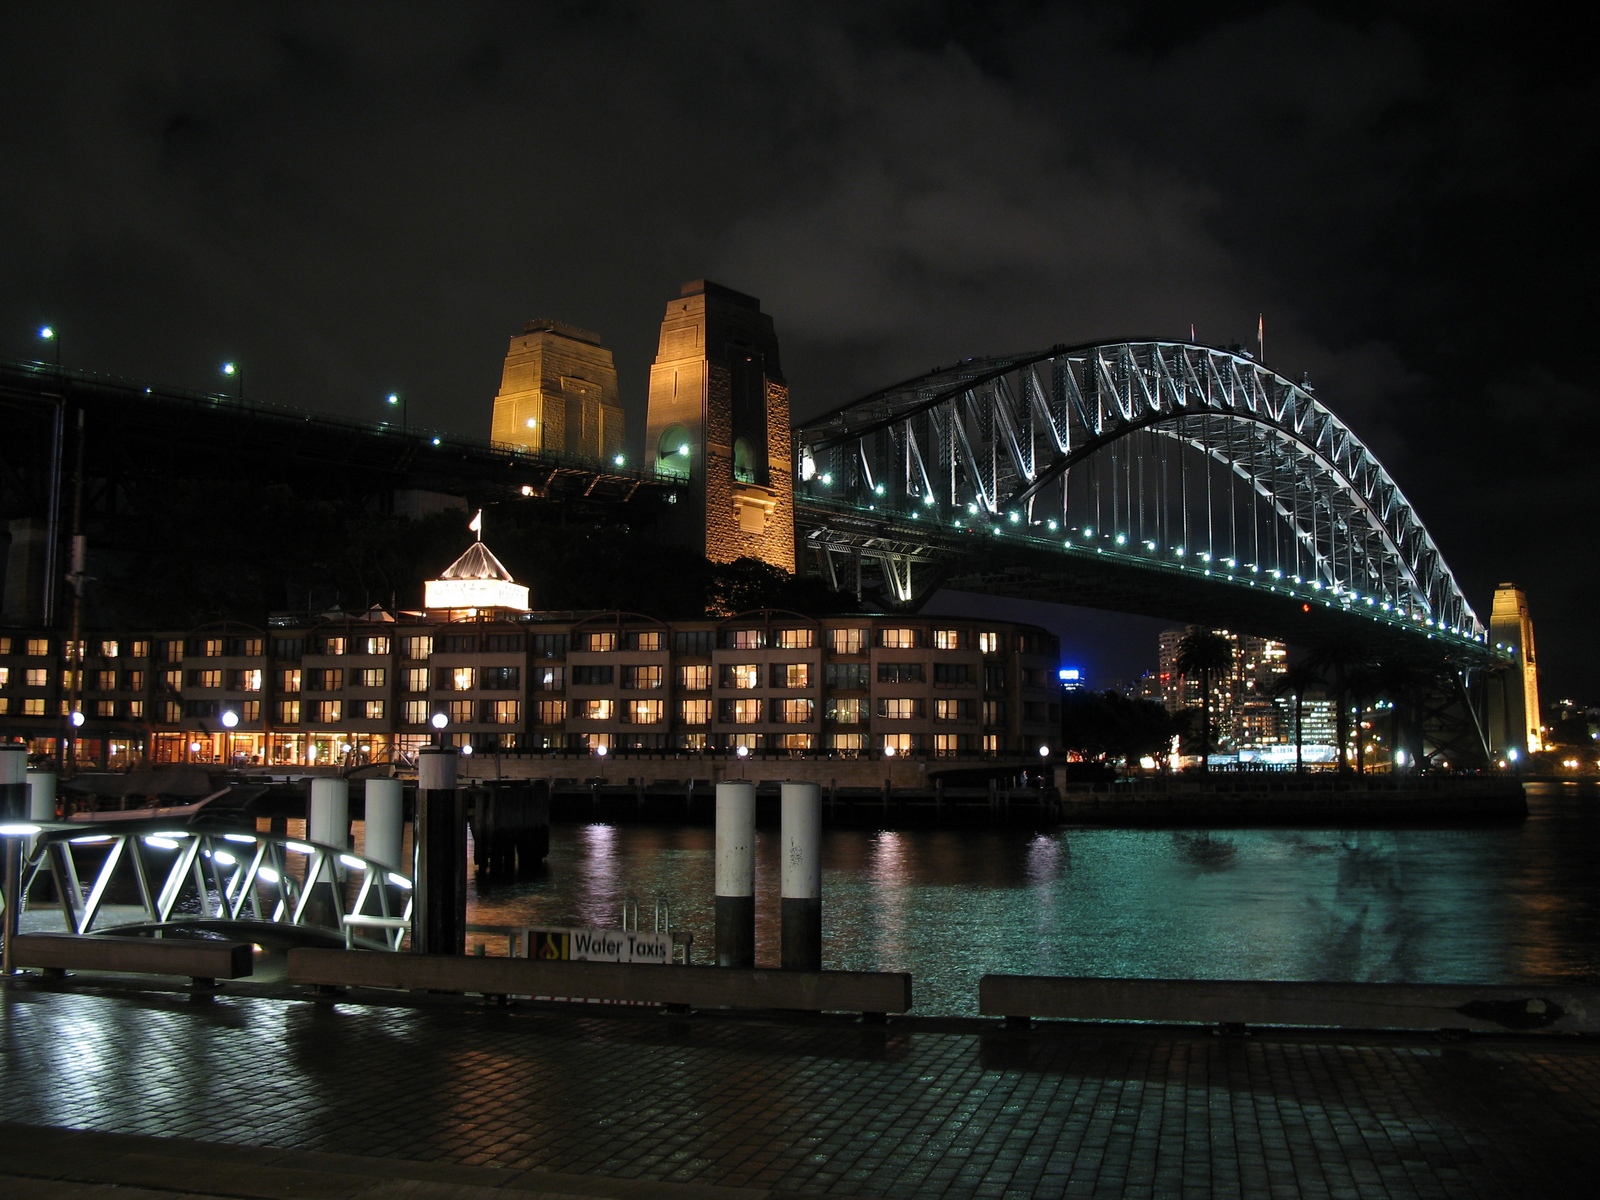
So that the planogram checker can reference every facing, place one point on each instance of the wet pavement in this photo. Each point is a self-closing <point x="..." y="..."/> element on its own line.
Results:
<point x="451" y="1097"/>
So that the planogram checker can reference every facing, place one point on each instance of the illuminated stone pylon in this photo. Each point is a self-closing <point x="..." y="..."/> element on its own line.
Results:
<point x="558" y="391"/>
<point x="719" y="418"/>
<point x="1514" y="703"/>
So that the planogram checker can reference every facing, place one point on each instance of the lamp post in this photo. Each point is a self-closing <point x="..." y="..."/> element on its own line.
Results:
<point x="230" y="721"/>
<point x="235" y="372"/>
<point x="47" y="333"/>
<point x="439" y="721"/>
<point x="52" y="335"/>
<point x="395" y="400"/>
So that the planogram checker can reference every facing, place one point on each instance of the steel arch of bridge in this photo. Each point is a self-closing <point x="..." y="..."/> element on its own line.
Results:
<point x="1178" y="456"/>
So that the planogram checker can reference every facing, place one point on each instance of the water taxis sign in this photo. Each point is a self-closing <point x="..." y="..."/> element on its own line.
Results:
<point x="600" y="945"/>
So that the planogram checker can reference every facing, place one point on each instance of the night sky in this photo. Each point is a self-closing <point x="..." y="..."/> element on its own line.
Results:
<point x="352" y="199"/>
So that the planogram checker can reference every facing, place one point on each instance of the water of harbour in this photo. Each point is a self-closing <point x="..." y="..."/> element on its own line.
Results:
<point x="1495" y="904"/>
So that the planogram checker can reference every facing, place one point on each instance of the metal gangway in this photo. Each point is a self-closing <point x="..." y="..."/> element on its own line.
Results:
<point x="153" y="876"/>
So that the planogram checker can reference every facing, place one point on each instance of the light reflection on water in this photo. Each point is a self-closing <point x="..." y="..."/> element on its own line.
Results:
<point x="1487" y="905"/>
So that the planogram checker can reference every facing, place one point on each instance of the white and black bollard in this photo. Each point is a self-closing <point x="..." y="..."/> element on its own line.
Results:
<point x="384" y="821"/>
<point x="328" y="818"/>
<point x="736" y="874"/>
<point x="328" y="824"/>
<point x="439" y="856"/>
<point x="14" y="825"/>
<point x="801" y="847"/>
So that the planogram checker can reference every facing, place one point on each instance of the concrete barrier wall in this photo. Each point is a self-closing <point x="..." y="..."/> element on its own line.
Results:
<point x="1498" y="1009"/>
<point x="698" y="987"/>
<point x="195" y="957"/>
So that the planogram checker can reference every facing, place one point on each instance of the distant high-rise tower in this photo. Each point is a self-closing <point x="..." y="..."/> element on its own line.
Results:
<point x="559" y="392"/>
<point x="1514" y="705"/>
<point x="719" y="418"/>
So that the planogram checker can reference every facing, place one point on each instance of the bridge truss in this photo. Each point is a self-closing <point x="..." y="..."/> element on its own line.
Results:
<point x="1126" y="464"/>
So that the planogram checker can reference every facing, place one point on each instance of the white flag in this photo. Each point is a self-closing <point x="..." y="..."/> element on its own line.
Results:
<point x="476" y="524"/>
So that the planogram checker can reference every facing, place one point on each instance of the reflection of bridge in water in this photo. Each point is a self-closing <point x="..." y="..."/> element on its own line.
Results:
<point x="1149" y="477"/>
<point x="155" y="876"/>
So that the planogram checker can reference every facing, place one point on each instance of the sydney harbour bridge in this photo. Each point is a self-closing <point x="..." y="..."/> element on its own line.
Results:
<point x="1163" y="478"/>
<point x="1153" y="477"/>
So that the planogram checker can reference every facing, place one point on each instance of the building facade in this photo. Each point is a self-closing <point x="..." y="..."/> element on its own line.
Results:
<point x="348" y="688"/>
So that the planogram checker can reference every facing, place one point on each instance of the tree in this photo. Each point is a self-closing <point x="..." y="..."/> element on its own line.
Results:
<point x="1336" y="659"/>
<point x="1111" y="725"/>
<point x="1297" y="681"/>
<point x="1203" y="653"/>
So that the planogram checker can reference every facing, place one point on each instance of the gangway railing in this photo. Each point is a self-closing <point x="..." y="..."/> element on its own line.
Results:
<point x="164" y="876"/>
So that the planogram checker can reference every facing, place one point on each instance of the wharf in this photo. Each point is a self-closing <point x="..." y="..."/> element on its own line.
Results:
<point x="1230" y="799"/>
<point x="254" y="1095"/>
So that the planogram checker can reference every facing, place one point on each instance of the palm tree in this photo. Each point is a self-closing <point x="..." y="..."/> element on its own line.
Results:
<point x="1335" y="659"/>
<point x="1297" y="681"/>
<point x="1201" y="653"/>
<point x="1363" y="684"/>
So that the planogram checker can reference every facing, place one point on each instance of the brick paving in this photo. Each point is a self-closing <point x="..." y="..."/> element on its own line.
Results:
<point x="916" y="1108"/>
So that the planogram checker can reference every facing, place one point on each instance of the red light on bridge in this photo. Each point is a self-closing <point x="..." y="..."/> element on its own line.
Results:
<point x="1305" y="608"/>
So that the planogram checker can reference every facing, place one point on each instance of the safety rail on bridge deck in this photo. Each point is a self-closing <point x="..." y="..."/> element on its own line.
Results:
<point x="169" y="876"/>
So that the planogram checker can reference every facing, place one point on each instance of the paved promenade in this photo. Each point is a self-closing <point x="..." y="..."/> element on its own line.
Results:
<point x="447" y="1098"/>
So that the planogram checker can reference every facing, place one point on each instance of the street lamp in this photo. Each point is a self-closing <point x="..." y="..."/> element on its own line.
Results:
<point x="439" y="721"/>
<point x="47" y="333"/>
<point x="230" y="721"/>
<point x="395" y="400"/>
<point x="234" y="371"/>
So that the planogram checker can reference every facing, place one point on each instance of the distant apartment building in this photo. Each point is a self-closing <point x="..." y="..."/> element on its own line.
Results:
<point x="1246" y="710"/>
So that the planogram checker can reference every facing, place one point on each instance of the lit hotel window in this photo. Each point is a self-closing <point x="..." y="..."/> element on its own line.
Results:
<point x="694" y="712"/>
<point x="644" y="712"/>
<point x="899" y="708"/>
<point x="743" y="676"/>
<point x="795" y="712"/>
<point x="796" y="639"/>
<point x="947" y="639"/>
<point x="847" y="712"/>
<point x="898" y="639"/>
<point x="847" y="641"/>
<point x="694" y="678"/>
<point x="593" y="710"/>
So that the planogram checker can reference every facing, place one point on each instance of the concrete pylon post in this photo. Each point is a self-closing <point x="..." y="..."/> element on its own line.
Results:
<point x="41" y="795"/>
<point x="736" y="874"/>
<point x="385" y="821"/>
<point x="439" y="856"/>
<point x="13" y="812"/>
<point x="328" y="824"/>
<point x="801" y="849"/>
<point x="328" y="820"/>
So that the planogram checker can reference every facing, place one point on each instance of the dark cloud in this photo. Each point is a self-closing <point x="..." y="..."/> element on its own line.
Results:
<point x="356" y="198"/>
